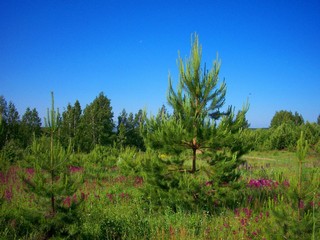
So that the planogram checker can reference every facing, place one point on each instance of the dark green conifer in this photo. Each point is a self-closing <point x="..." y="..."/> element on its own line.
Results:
<point x="53" y="183"/>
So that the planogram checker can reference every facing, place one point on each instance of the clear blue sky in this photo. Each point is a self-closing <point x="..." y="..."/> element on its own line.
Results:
<point x="270" y="52"/>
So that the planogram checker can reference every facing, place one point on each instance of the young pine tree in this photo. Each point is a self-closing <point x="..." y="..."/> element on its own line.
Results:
<point x="53" y="184"/>
<point x="196" y="104"/>
<point x="197" y="124"/>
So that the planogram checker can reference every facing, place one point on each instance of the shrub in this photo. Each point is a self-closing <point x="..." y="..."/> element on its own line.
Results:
<point x="284" y="136"/>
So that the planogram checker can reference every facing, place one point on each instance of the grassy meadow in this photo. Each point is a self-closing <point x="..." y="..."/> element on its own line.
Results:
<point x="109" y="203"/>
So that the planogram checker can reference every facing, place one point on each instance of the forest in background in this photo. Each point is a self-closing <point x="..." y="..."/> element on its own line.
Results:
<point x="96" y="125"/>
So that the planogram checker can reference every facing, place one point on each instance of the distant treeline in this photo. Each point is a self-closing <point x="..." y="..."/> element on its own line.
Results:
<point x="95" y="125"/>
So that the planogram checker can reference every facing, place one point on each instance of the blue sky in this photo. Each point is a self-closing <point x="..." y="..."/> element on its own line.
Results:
<point x="270" y="52"/>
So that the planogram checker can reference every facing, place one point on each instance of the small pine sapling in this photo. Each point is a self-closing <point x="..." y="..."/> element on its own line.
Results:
<point x="53" y="184"/>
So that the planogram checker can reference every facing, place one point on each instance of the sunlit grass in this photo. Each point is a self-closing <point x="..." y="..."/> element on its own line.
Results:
<point x="114" y="204"/>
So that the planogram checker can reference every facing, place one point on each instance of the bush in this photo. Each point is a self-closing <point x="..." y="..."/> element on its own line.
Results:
<point x="11" y="152"/>
<point x="283" y="137"/>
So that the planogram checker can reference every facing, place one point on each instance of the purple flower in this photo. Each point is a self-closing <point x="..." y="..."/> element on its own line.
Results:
<point x="110" y="196"/>
<point x="261" y="183"/>
<point x="209" y="183"/>
<point x="75" y="169"/>
<point x="243" y="221"/>
<point x="301" y="204"/>
<point x="237" y="212"/>
<point x="247" y="212"/>
<point x="286" y="183"/>
<point x="30" y="171"/>
<point x="67" y="201"/>
<point x="8" y="194"/>
<point x="138" y="181"/>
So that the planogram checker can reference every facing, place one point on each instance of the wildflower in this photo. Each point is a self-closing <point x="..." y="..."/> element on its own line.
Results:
<point x="286" y="183"/>
<point x="243" y="221"/>
<point x="74" y="169"/>
<point x="110" y="197"/>
<point x="124" y="195"/>
<point x="67" y="201"/>
<point x="261" y="215"/>
<point x="261" y="183"/>
<point x="138" y="181"/>
<point x="8" y="194"/>
<point x="226" y="225"/>
<point x="301" y="204"/>
<point x="237" y="212"/>
<point x="171" y="229"/>
<point x="30" y="171"/>
<point x="247" y="212"/>
<point x="275" y="198"/>
<point x="74" y="198"/>
<point x="208" y="183"/>
<point x="3" y="178"/>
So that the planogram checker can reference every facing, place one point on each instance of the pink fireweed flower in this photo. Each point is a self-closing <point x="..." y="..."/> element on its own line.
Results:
<point x="138" y="181"/>
<point x="301" y="204"/>
<point x="247" y="212"/>
<point x="75" y="169"/>
<point x="74" y="198"/>
<point x="8" y="194"/>
<point x="124" y="195"/>
<point x="67" y="201"/>
<point x="237" y="212"/>
<point x="262" y="183"/>
<point x="286" y="183"/>
<point x="209" y="183"/>
<point x="30" y="171"/>
<point x="3" y="178"/>
<point x="120" y="179"/>
<point x="110" y="196"/>
<point x="243" y="222"/>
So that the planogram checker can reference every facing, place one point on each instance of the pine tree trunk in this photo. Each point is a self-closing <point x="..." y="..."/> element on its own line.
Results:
<point x="194" y="157"/>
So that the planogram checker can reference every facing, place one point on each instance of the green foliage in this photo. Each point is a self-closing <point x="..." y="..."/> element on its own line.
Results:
<point x="312" y="132"/>
<point x="297" y="217"/>
<point x="196" y="104"/>
<point x="70" y="125"/>
<point x="317" y="147"/>
<point x="284" y="116"/>
<point x="12" y="152"/>
<point x="30" y="126"/>
<point x="194" y="125"/>
<point x="52" y="183"/>
<point x="99" y="160"/>
<point x="96" y="124"/>
<point x="283" y="137"/>
<point x="128" y="130"/>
